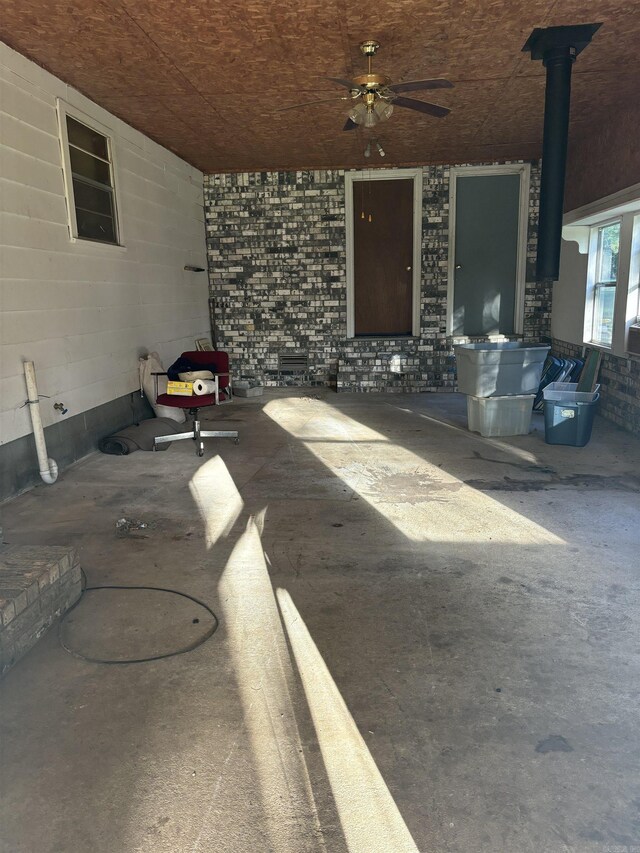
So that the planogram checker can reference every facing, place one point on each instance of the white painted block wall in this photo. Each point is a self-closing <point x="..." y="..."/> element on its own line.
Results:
<point x="84" y="312"/>
<point x="569" y="295"/>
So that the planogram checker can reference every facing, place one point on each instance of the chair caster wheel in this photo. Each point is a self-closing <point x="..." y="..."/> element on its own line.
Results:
<point x="201" y="453"/>
<point x="236" y="441"/>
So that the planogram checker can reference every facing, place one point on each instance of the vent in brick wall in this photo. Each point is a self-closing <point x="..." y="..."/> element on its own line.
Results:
<point x="290" y="364"/>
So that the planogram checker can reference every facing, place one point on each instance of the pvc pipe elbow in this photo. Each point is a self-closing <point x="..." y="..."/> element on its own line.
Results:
<point x="50" y="475"/>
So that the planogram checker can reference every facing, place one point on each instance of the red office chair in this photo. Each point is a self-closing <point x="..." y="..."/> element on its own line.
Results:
<point x="218" y="363"/>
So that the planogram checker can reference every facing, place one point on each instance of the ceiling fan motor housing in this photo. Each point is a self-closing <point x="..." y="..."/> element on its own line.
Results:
<point x="372" y="81"/>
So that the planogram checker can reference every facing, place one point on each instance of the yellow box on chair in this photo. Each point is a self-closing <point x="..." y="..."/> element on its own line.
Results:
<point x="181" y="389"/>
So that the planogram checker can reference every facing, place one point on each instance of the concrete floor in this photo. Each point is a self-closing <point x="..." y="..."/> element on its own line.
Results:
<point x="428" y="641"/>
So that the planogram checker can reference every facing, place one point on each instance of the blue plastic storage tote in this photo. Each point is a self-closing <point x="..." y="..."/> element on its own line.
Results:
<point x="569" y="421"/>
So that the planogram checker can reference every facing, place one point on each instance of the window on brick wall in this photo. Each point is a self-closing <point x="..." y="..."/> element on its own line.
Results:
<point x="89" y="177"/>
<point x="633" y="307"/>
<point x="612" y="298"/>
<point x="607" y="252"/>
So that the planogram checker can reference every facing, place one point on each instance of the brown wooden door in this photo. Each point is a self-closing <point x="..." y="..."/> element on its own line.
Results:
<point x="383" y="256"/>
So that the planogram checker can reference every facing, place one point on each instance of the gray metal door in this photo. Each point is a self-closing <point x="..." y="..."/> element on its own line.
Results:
<point x="486" y="254"/>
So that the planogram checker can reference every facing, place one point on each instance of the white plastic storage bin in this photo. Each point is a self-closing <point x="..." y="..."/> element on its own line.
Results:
<point x="500" y="369"/>
<point x="500" y="416"/>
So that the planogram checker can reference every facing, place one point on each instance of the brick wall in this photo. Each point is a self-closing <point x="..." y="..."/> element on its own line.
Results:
<point x="37" y="585"/>
<point x="619" y="385"/>
<point x="277" y="271"/>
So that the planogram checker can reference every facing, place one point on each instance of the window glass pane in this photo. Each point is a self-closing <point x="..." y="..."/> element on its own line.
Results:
<point x="92" y="183"/>
<point x="608" y="248"/>
<point x="89" y="167"/>
<point x="84" y="137"/>
<point x="91" y="198"/>
<point x="604" y="299"/>
<point x="95" y="226"/>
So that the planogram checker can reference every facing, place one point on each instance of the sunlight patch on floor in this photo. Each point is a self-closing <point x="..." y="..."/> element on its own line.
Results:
<point x="370" y="819"/>
<point x="420" y="498"/>
<point x="217" y="498"/>
<point x="524" y="455"/>
<point x="265" y="677"/>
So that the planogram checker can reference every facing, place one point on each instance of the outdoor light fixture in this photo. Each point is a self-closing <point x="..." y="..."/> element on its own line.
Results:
<point x="380" y="148"/>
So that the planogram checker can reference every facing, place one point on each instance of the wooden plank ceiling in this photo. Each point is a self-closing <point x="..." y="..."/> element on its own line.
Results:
<point x="205" y="78"/>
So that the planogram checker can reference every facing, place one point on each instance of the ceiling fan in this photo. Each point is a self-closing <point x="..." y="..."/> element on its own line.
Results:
<point x="374" y="96"/>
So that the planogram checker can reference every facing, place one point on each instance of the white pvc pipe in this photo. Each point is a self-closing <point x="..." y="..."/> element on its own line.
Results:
<point x="48" y="467"/>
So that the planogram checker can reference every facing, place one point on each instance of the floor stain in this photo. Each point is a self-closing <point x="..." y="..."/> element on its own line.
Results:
<point x="539" y="469"/>
<point x="593" y="482"/>
<point x="410" y="488"/>
<point x="554" y="743"/>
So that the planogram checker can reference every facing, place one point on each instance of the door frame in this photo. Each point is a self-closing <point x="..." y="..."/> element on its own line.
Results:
<point x="385" y="175"/>
<point x="524" y="170"/>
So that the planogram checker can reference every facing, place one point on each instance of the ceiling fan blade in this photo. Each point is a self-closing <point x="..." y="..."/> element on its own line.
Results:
<point x="349" y="125"/>
<point x="421" y="85"/>
<point x="312" y="103"/>
<point x="341" y="82"/>
<point x="421" y="106"/>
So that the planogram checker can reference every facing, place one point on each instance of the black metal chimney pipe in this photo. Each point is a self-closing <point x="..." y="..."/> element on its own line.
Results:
<point x="558" y="48"/>
<point x="557" y="96"/>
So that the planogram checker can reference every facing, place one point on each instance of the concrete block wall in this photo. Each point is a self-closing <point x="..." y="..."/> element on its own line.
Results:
<point x="67" y="441"/>
<point x="277" y="268"/>
<point x="84" y="311"/>
<point x="619" y="385"/>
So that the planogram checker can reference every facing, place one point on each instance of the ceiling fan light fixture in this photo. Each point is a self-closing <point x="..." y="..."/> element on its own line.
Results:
<point x="375" y="96"/>
<point x="384" y="110"/>
<point x="371" y="118"/>
<point x="358" y="114"/>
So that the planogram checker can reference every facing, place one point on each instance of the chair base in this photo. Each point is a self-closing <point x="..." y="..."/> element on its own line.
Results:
<point x="197" y="435"/>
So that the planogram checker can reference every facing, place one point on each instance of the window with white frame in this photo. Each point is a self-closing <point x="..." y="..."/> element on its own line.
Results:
<point x="607" y="248"/>
<point x="633" y="301"/>
<point x="613" y="274"/>
<point x="89" y="175"/>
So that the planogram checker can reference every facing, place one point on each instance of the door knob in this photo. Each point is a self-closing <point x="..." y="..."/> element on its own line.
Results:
<point x="458" y="266"/>
<point x="408" y="269"/>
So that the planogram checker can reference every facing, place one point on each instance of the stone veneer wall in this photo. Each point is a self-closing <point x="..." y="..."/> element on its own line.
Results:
<point x="277" y="270"/>
<point x="619" y="385"/>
